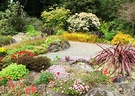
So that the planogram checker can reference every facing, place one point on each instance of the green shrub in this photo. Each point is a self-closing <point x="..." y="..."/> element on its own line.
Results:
<point x="47" y="31"/>
<point x="12" y="19"/>
<point x="107" y="30"/>
<point x="45" y="77"/>
<point x="34" y="63"/>
<point x="34" y="22"/>
<point x="28" y="28"/>
<point x="55" y="18"/>
<point x="14" y="71"/>
<point x="5" y="40"/>
<point x="83" y="22"/>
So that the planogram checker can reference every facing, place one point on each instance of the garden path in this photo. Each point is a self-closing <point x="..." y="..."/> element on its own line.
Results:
<point x="78" y="50"/>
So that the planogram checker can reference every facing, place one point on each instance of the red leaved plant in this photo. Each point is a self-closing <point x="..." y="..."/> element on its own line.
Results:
<point x="22" y="53"/>
<point x="118" y="61"/>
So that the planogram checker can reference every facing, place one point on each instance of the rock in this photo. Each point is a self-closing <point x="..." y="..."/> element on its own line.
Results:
<point x="81" y="67"/>
<point x="53" y="47"/>
<point x="126" y="88"/>
<point x="41" y="88"/>
<point x="52" y="93"/>
<point x="102" y="92"/>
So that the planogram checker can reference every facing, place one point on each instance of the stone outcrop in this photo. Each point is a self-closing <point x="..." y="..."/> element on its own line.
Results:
<point x="58" y="46"/>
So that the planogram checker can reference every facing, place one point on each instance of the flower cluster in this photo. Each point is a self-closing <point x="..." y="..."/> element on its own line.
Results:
<point x="70" y="87"/>
<point x="59" y="72"/>
<point x="79" y="87"/>
<point x="19" y="89"/>
<point x="21" y="54"/>
<point x="83" y="22"/>
<point x="2" y="51"/>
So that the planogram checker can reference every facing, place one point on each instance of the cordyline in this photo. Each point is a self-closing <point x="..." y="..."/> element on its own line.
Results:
<point x="118" y="61"/>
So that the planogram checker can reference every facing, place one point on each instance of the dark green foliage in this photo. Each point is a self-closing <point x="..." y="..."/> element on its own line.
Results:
<point x="45" y="77"/>
<point x="47" y="30"/>
<point x="12" y="19"/>
<point x="77" y="6"/>
<point x="36" y="64"/>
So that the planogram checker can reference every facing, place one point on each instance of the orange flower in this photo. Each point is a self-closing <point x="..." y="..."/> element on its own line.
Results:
<point x="21" y="84"/>
<point x="105" y="72"/>
<point x="33" y="89"/>
<point x="27" y="90"/>
<point x="112" y="79"/>
<point x="19" y="93"/>
<point x="51" y="81"/>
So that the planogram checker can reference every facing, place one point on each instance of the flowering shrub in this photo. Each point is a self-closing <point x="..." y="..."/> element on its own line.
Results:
<point x="83" y="22"/>
<point x="123" y="38"/>
<point x="16" y="55"/>
<point x="59" y="72"/>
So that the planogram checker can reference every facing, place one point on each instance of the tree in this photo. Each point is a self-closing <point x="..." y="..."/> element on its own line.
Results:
<point x="127" y="12"/>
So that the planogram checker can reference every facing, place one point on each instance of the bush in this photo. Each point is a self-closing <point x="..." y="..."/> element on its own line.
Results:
<point x="14" y="71"/>
<point x="80" y="37"/>
<point x="55" y="18"/>
<point x="83" y="22"/>
<point x="107" y="28"/>
<point x="5" y="40"/>
<point x="47" y="31"/>
<point x="28" y="28"/>
<point x="12" y="19"/>
<point x="116" y="61"/>
<point x="34" y="22"/>
<point x="34" y="63"/>
<point x="45" y="77"/>
<point x="123" y="38"/>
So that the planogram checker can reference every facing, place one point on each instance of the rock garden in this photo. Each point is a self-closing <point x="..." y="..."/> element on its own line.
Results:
<point x="25" y="39"/>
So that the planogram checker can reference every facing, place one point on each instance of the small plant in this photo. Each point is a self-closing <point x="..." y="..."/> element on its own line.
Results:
<point x="14" y="71"/>
<point x="3" y="80"/>
<point x="20" y="89"/>
<point x="2" y="51"/>
<point x="73" y="87"/>
<point x="45" y="77"/>
<point x="116" y="61"/>
<point x="123" y="38"/>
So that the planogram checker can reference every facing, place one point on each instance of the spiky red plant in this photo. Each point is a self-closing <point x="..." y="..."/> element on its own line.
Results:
<point x="116" y="61"/>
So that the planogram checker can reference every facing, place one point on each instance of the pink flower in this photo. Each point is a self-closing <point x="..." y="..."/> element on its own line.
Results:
<point x="87" y="88"/>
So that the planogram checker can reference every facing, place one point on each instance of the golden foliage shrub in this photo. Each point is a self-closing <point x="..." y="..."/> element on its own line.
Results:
<point x="123" y="38"/>
<point x="81" y="37"/>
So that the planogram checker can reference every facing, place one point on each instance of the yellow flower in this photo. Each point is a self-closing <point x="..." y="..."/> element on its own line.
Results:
<point x="2" y="50"/>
